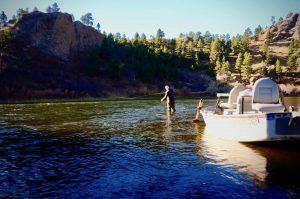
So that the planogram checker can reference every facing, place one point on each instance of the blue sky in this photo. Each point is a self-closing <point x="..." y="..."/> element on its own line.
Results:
<point x="172" y="16"/>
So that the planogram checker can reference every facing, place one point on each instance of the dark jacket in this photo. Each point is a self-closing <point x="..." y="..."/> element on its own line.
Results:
<point x="169" y="96"/>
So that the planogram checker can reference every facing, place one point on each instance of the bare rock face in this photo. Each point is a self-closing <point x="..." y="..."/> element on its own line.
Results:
<point x="287" y="29"/>
<point x="296" y="34"/>
<point x="55" y="34"/>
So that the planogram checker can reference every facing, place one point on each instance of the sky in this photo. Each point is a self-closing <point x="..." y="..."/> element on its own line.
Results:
<point x="172" y="16"/>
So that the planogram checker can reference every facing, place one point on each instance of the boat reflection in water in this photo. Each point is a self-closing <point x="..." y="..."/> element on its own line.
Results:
<point x="269" y="164"/>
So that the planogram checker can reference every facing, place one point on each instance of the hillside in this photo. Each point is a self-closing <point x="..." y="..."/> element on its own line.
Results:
<point x="274" y="45"/>
<point x="48" y="55"/>
<point x="283" y="33"/>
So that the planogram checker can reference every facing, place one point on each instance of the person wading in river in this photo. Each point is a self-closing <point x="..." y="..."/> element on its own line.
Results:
<point x="169" y="95"/>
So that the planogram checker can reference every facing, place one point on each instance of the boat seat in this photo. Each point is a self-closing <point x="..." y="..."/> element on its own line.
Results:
<point x="268" y="107"/>
<point x="266" y="96"/>
<point x="232" y="99"/>
<point x="244" y="101"/>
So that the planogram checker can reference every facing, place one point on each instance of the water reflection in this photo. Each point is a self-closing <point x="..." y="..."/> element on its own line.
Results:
<point x="238" y="155"/>
<point x="169" y="122"/>
<point x="270" y="165"/>
<point x="283" y="163"/>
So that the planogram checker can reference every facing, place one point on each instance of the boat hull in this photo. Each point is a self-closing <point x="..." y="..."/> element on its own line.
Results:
<point x="252" y="127"/>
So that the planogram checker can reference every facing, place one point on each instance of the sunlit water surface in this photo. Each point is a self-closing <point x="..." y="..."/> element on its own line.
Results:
<point x="134" y="149"/>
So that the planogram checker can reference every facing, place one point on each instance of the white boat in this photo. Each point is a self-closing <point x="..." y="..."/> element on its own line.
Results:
<point x="253" y="115"/>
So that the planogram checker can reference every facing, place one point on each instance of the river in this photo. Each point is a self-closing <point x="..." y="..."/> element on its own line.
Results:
<point x="134" y="149"/>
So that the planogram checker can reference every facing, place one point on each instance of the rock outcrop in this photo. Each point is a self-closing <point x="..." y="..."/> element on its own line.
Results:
<point x="55" y="34"/>
<point x="285" y="30"/>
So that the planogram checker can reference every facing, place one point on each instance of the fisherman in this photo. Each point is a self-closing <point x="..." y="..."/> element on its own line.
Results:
<point x="170" y="98"/>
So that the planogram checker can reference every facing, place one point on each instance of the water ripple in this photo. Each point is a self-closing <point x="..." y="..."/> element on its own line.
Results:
<point x="131" y="149"/>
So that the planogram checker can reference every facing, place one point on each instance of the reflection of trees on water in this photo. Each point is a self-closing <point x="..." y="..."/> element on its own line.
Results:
<point x="270" y="165"/>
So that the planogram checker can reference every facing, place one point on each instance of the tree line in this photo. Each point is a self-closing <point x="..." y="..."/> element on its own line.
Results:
<point x="160" y="58"/>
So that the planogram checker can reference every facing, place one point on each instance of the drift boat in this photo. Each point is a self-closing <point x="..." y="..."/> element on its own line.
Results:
<point x="253" y="115"/>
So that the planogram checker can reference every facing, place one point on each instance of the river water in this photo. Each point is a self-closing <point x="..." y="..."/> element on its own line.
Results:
<point x="134" y="149"/>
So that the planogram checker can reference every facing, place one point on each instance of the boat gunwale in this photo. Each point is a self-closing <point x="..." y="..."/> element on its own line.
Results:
<point x="211" y="113"/>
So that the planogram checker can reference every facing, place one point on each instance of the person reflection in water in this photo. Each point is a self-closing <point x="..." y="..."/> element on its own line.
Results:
<point x="169" y="96"/>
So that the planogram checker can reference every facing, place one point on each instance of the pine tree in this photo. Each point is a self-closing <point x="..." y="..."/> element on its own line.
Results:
<point x="49" y="9"/>
<point x="278" y="67"/>
<point x="123" y="40"/>
<point x="292" y="57"/>
<point x="226" y="66"/>
<point x="215" y="51"/>
<point x="159" y="36"/>
<point x="207" y="37"/>
<point x="292" y="63"/>
<point x="239" y="63"/>
<point x="98" y="26"/>
<point x="3" y="19"/>
<point x="269" y="37"/>
<point x="189" y="50"/>
<point x="55" y="7"/>
<point x="249" y="32"/>
<point x="143" y="38"/>
<point x="273" y="21"/>
<point x="218" y="67"/>
<point x="200" y="44"/>
<point x="268" y="58"/>
<point x="178" y="47"/>
<point x="227" y="37"/>
<point x="246" y="67"/>
<point x="136" y="36"/>
<point x="236" y="44"/>
<point x="117" y="36"/>
<point x="195" y="39"/>
<point x="87" y="19"/>
<point x="264" y="49"/>
<point x="245" y="41"/>
<point x="257" y="31"/>
<point x="21" y="12"/>
<point x="197" y="59"/>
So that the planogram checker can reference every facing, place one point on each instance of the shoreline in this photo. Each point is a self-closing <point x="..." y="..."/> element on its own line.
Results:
<point x="121" y="98"/>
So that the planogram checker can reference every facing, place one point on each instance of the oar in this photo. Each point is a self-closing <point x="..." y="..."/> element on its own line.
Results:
<point x="199" y="107"/>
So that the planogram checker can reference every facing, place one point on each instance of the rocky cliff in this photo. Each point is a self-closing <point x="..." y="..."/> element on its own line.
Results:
<point x="55" y="34"/>
<point x="285" y="30"/>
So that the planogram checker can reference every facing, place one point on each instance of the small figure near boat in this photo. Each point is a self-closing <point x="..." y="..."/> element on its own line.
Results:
<point x="169" y="96"/>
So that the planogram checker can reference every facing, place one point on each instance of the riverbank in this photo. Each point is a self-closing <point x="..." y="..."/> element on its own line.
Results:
<point x="121" y="98"/>
<point x="36" y="101"/>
